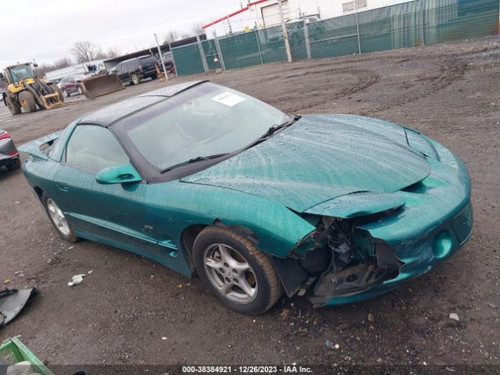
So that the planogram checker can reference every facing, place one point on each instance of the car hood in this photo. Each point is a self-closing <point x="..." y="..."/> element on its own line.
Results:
<point x="321" y="158"/>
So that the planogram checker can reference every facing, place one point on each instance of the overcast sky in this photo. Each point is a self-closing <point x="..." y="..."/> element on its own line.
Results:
<point x="45" y="30"/>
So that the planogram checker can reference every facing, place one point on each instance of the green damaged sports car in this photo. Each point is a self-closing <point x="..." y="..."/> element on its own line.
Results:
<point x="205" y="179"/>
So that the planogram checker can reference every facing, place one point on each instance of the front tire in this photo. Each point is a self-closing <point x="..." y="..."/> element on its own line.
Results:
<point x="27" y="101"/>
<point x="235" y="271"/>
<point x="67" y="94"/>
<point x="13" y="105"/>
<point x="58" y="219"/>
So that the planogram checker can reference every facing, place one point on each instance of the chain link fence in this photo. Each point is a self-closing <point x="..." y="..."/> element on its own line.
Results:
<point x="410" y="24"/>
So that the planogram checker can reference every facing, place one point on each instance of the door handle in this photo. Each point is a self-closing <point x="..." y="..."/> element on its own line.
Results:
<point x="62" y="187"/>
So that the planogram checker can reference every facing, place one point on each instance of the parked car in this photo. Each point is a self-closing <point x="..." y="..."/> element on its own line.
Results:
<point x="9" y="156"/>
<point x="168" y="60"/>
<point x="54" y="81"/>
<point x="71" y="85"/>
<point x="205" y="179"/>
<point x="134" y="70"/>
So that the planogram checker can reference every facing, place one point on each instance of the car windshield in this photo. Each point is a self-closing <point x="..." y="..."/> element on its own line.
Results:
<point x="205" y="121"/>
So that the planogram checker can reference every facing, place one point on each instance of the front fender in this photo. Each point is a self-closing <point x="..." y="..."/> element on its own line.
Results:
<point x="174" y="206"/>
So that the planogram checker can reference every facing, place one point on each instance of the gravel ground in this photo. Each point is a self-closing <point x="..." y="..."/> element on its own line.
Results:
<point x="129" y="310"/>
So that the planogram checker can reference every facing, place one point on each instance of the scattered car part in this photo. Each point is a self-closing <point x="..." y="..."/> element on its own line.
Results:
<point x="12" y="301"/>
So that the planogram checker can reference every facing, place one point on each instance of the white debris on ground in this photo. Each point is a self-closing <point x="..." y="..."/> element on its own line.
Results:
<point x="77" y="279"/>
<point x="22" y="368"/>
<point x="454" y="316"/>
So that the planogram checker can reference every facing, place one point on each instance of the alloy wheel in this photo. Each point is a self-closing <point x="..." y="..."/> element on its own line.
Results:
<point x="230" y="273"/>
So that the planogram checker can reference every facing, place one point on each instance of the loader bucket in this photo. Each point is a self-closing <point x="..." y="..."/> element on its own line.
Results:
<point x="101" y="85"/>
<point x="51" y="101"/>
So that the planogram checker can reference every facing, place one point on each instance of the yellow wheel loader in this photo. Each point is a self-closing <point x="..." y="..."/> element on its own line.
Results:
<point x="26" y="92"/>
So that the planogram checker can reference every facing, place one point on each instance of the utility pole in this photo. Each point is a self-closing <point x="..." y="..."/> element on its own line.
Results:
<point x="306" y="38"/>
<point x="357" y="26"/>
<point x="285" y="33"/>
<point x="161" y="57"/>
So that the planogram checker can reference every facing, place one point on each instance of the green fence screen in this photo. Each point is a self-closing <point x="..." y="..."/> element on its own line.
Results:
<point x="410" y="24"/>
<point x="187" y="59"/>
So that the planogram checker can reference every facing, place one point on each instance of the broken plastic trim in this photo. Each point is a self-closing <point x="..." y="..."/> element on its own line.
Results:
<point x="12" y="301"/>
<point x="358" y="263"/>
<point x="351" y="260"/>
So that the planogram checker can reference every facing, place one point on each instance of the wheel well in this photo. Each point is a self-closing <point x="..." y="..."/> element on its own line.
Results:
<point x="39" y="192"/>
<point x="190" y="233"/>
<point x="188" y="236"/>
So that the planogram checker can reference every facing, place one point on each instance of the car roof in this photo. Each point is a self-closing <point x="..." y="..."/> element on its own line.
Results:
<point x="110" y="114"/>
<point x="136" y="58"/>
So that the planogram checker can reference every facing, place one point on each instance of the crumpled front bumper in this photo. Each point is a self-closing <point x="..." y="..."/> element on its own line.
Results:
<point x="418" y="257"/>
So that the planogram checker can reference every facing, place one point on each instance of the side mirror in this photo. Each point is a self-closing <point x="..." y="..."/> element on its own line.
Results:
<point x="2" y="76"/>
<point x="121" y="174"/>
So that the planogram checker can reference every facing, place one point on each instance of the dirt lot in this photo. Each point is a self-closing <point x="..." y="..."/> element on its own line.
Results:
<point x="130" y="310"/>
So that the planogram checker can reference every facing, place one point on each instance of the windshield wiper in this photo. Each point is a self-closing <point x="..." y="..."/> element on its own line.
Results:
<point x="193" y="160"/>
<point x="275" y="128"/>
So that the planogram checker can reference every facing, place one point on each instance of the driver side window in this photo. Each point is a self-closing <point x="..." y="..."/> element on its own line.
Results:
<point x="94" y="148"/>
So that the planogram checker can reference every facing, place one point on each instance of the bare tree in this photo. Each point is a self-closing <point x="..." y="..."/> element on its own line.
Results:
<point x="85" y="51"/>
<point x="171" y="36"/>
<point x="197" y="30"/>
<point x="62" y="63"/>
<point x="112" y="52"/>
<point x="58" y="64"/>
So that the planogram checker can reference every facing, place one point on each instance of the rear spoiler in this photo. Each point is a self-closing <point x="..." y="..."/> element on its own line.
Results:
<point x="37" y="147"/>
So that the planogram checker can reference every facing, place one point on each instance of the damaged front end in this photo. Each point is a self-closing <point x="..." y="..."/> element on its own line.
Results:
<point x="338" y="259"/>
<point x="357" y="260"/>
<point x="368" y="252"/>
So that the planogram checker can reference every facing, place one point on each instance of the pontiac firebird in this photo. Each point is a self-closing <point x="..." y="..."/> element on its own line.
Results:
<point x="256" y="202"/>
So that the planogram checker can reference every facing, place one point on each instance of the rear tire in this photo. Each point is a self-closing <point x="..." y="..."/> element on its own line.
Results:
<point x="13" y="165"/>
<point x="235" y="271"/>
<point x="135" y="79"/>
<point x="58" y="219"/>
<point x="27" y="101"/>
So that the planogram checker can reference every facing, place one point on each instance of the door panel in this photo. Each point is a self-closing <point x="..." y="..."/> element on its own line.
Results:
<point x="111" y="211"/>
